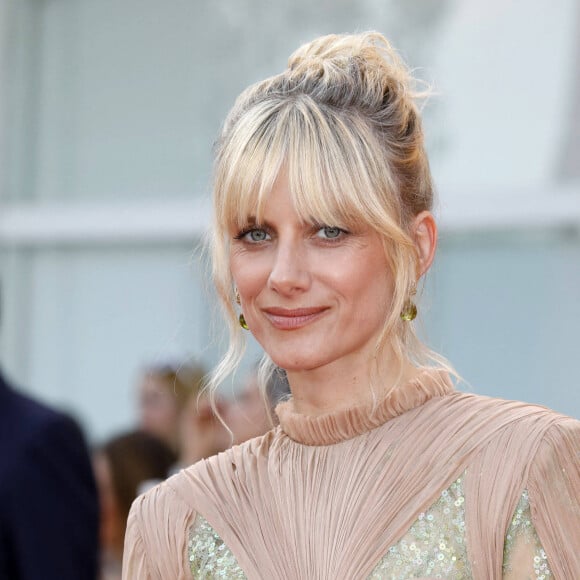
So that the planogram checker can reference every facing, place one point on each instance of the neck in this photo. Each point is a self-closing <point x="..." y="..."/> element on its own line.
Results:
<point x="342" y="385"/>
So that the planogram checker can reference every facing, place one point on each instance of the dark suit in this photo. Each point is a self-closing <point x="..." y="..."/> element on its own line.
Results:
<point x="48" y="502"/>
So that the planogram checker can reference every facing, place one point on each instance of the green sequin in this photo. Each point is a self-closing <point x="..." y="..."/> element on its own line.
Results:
<point x="434" y="546"/>
<point x="520" y="530"/>
<point x="209" y="557"/>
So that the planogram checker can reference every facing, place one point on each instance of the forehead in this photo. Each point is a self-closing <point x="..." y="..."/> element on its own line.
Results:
<point x="293" y="195"/>
<point x="277" y="203"/>
<point x="327" y="160"/>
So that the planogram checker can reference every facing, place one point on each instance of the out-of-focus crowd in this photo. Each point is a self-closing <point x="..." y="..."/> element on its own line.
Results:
<point x="77" y="502"/>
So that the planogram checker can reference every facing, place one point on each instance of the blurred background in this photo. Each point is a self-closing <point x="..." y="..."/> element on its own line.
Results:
<point x="109" y="109"/>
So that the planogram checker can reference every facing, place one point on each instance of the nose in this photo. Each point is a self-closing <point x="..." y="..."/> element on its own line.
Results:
<point x="290" y="272"/>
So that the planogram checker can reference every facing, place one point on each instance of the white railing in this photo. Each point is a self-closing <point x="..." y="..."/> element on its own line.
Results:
<point x="184" y="221"/>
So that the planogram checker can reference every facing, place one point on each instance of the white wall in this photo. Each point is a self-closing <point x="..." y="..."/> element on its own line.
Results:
<point x="111" y="111"/>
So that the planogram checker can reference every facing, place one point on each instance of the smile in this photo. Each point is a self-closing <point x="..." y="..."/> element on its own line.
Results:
<point x="285" y="319"/>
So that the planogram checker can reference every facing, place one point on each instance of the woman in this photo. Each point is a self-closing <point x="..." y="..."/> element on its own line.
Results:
<point x="379" y="469"/>
<point x="164" y="392"/>
<point x="122" y="466"/>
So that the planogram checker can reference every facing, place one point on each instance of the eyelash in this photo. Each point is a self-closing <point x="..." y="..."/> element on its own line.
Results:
<point x="247" y="231"/>
<point x="320" y="228"/>
<point x="316" y="229"/>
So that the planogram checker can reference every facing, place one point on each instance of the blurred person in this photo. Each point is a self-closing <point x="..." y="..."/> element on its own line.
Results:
<point x="125" y="466"/>
<point x="164" y="392"/>
<point x="173" y="407"/>
<point x="201" y="433"/>
<point x="379" y="468"/>
<point x="48" y="499"/>
<point x="251" y="414"/>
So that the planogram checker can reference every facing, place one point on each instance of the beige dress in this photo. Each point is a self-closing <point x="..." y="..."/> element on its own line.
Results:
<point x="431" y="483"/>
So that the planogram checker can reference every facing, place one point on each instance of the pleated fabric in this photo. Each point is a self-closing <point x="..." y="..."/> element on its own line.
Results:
<point x="326" y="497"/>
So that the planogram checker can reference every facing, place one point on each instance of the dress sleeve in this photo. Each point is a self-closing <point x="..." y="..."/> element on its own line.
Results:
<point x="156" y="540"/>
<point x="554" y="497"/>
<point x="135" y="559"/>
<point x="524" y="556"/>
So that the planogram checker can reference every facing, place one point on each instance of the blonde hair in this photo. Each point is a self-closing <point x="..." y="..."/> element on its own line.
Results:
<point x="182" y="380"/>
<point x="342" y="122"/>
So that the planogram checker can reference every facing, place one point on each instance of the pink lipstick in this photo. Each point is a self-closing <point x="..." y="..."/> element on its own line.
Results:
<point x="293" y="319"/>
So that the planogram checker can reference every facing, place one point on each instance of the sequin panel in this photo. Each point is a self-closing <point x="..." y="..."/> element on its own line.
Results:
<point x="209" y="557"/>
<point x="434" y="546"/>
<point x="522" y="544"/>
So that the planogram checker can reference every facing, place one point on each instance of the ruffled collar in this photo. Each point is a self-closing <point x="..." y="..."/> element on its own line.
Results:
<point x="348" y="423"/>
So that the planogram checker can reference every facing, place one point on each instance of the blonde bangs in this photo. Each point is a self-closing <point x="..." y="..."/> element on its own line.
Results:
<point x="333" y="174"/>
<point x="250" y="162"/>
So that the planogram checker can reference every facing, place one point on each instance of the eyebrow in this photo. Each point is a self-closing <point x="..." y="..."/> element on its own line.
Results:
<point x="252" y="222"/>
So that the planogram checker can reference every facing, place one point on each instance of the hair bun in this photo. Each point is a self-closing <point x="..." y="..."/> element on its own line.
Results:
<point x="368" y="58"/>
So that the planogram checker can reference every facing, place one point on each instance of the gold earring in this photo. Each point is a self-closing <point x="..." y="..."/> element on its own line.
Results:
<point x="238" y="300"/>
<point x="409" y="312"/>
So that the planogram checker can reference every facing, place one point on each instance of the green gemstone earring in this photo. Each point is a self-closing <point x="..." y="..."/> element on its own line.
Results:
<point x="409" y="312"/>
<point x="241" y="318"/>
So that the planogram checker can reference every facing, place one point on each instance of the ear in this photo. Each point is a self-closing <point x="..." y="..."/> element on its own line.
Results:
<point x="424" y="233"/>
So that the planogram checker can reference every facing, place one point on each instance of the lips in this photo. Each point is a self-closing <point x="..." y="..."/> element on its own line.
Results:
<point x="293" y="319"/>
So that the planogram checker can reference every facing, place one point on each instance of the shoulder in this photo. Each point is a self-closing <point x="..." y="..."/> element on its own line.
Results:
<point x="25" y="418"/>
<point x="499" y="427"/>
<point x="187" y="492"/>
<point x="47" y="492"/>
<point x="238" y="461"/>
<point x="22" y="412"/>
<point x="154" y="506"/>
<point x="560" y="443"/>
<point x="543" y="441"/>
<point x="32" y="434"/>
<point x="554" y="492"/>
<point x="157" y="533"/>
<point x="509" y="413"/>
<point x="160" y="520"/>
<point x="44" y="448"/>
<point x="180" y="494"/>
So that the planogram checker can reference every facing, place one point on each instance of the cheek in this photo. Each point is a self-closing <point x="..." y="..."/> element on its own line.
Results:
<point x="370" y="286"/>
<point x="358" y="273"/>
<point x="250" y="274"/>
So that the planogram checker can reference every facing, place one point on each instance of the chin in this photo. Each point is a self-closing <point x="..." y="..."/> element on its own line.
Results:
<point x="297" y="363"/>
<point x="297" y="352"/>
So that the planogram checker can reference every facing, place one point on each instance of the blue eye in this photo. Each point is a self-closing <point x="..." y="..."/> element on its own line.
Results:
<point x="253" y="235"/>
<point x="257" y="235"/>
<point x="329" y="232"/>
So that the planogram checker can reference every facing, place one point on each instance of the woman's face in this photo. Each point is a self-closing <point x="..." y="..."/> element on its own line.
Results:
<point x="313" y="295"/>
<point x="158" y="409"/>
